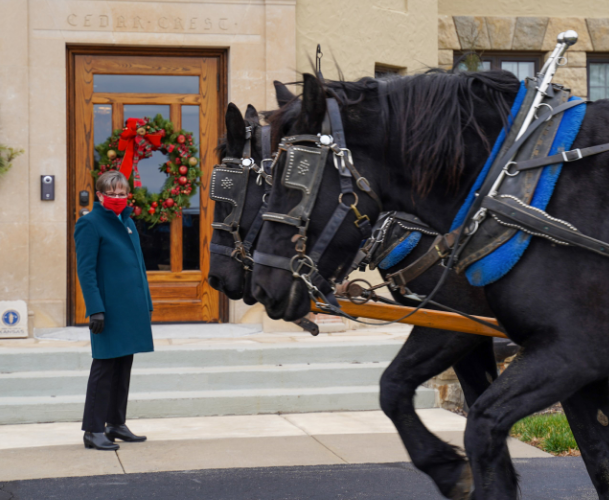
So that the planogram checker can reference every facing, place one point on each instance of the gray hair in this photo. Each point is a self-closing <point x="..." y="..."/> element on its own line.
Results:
<point x="109" y="180"/>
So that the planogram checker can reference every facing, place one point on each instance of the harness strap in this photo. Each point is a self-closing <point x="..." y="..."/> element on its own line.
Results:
<point x="492" y="176"/>
<point x="220" y="249"/>
<point x="252" y="234"/>
<point x="265" y="141"/>
<point x="285" y="219"/>
<point x="329" y="231"/>
<point x="565" y="156"/>
<point x="278" y="262"/>
<point x="541" y="222"/>
<point x="438" y="250"/>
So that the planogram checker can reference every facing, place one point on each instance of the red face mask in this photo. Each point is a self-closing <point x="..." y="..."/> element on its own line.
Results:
<point x="117" y="205"/>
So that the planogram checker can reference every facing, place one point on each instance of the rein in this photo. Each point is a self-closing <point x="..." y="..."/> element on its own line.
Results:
<point x="229" y="184"/>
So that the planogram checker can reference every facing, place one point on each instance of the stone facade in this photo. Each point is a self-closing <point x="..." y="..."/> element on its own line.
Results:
<point x="493" y="33"/>
<point x="265" y="40"/>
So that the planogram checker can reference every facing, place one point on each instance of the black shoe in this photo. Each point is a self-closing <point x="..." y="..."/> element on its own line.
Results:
<point x="99" y="441"/>
<point x="123" y="433"/>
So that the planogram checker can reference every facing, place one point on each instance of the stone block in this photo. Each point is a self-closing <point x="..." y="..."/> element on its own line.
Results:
<point x="529" y="33"/>
<point x="445" y="57"/>
<point x="472" y="32"/>
<point x="574" y="78"/>
<point x="501" y="32"/>
<point x="557" y="25"/>
<point x="598" y="30"/>
<point x="447" y="34"/>
<point x="576" y="59"/>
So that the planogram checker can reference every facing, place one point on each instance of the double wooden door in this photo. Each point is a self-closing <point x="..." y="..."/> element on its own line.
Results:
<point x="109" y="89"/>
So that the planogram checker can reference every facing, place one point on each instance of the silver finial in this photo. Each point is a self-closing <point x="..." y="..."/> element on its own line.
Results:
<point x="570" y="37"/>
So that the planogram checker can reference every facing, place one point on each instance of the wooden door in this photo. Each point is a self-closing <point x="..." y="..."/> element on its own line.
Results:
<point x="108" y="89"/>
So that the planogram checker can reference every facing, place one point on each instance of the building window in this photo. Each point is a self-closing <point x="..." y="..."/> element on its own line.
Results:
<point x="523" y="64"/>
<point x="381" y="70"/>
<point x="598" y="77"/>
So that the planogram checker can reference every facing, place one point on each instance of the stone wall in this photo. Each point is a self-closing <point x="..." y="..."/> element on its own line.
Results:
<point x="525" y="34"/>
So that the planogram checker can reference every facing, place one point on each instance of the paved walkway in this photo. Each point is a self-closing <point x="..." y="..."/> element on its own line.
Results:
<point x="179" y="444"/>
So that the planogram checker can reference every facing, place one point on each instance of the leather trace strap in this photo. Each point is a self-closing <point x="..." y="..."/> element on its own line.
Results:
<point x="564" y="157"/>
<point x="516" y="213"/>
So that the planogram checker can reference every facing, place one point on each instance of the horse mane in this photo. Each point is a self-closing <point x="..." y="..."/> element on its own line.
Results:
<point x="426" y="115"/>
<point x="430" y="113"/>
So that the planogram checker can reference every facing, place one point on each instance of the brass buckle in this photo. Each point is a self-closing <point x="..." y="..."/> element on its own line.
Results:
<point x="440" y="254"/>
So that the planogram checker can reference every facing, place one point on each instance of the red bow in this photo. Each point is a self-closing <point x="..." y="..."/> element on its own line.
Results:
<point x="129" y="138"/>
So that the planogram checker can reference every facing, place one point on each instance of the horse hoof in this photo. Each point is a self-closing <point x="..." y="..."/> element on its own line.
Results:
<point x="464" y="488"/>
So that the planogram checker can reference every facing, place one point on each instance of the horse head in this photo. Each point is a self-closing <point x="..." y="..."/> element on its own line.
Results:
<point x="276" y="286"/>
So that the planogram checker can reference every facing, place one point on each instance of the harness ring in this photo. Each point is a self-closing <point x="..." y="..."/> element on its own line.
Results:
<point x="507" y="169"/>
<point x="303" y="260"/>
<point x="544" y="104"/>
<point x="355" y="202"/>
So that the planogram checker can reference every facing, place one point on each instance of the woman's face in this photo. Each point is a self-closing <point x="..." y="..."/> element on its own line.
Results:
<point x="117" y="192"/>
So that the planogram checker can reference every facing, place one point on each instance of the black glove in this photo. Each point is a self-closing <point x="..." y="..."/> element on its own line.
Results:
<point x="96" y="322"/>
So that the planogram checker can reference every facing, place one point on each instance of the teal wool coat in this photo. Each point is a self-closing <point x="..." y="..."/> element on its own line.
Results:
<point x="112" y="275"/>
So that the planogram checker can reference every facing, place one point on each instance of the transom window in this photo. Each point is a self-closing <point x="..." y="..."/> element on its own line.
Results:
<point x="523" y="64"/>
<point x="598" y="77"/>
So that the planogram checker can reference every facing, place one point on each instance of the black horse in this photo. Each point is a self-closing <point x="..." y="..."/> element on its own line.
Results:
<point x="227" y="274"/>
<point x="421" y="144"/>
<point x="427" y="353"/>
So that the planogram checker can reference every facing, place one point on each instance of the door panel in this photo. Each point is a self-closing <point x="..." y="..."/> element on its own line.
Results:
<point x="107" y="91"/>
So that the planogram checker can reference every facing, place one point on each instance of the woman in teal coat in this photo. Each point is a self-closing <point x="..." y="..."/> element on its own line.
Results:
<point x="112" y="276"/>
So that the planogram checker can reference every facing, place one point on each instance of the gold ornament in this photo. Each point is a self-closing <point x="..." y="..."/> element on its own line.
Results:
<point x="192" y="161"/>
<point x="141" y="131"/>
<point x="111" y="154"/>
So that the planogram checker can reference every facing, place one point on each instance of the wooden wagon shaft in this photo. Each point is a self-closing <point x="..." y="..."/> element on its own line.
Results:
<point x="424" y="317"/>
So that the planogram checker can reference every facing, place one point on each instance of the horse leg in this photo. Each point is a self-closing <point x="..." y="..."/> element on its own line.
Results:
<point x="477" y="370"/>
<point x="425" y="354"/>
<point x="588" y="411"/>
<point x="536" y="379"/>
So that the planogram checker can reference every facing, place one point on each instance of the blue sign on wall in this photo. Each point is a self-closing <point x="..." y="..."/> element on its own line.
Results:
<point x="11" y="318"/>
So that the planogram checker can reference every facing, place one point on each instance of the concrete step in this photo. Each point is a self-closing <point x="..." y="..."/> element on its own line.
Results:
<point x="205" y="356"/>
<point x="18" y="410"/>
<point x="144" y="380"/>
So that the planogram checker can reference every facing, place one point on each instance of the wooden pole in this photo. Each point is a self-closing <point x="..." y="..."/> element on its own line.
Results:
<point x="424" y="317"/>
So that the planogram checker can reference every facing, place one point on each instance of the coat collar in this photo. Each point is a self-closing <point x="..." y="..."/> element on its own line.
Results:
<point x="98" y="207"/>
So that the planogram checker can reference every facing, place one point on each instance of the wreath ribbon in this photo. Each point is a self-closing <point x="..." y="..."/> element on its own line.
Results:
<point x="136" y="146"/>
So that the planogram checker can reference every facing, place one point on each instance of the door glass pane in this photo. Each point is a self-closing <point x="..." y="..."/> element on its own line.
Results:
<point x="191" y="222"/>
<point x="102" y="126"/>
<point x="155" y="241"/>
<point x="152" y="178"/>
<point x="156" y="245"/>
<point x="146" y="84"/>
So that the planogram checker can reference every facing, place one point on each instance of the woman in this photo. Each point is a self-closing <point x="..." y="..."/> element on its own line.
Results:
<point x="112" y="276"/>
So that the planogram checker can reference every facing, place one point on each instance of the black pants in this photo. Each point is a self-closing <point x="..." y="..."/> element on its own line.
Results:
<point x="107" y="393"/>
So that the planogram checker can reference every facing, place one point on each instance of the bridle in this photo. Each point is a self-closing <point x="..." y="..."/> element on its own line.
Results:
<point x="306" y="156"/>
<point x="229" y="182"/>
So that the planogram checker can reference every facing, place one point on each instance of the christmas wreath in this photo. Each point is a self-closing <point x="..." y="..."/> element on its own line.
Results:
<point x="139" y="139"/>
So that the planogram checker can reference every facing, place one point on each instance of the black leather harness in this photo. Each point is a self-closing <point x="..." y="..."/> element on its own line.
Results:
<point x="229" y="182"/>
<point x="306" y="157"/>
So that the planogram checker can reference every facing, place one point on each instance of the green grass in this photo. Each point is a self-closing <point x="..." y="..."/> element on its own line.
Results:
<point x="550" y="432"/>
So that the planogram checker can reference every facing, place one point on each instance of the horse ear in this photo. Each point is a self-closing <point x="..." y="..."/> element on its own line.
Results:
<point x="235" y="128"/>
<point x="283" y="94"/>
<point x="313" y="105"/>
<point x="251" y="114"/>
